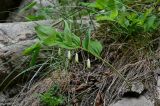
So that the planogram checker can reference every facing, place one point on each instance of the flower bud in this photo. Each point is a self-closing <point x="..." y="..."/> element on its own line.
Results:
<point x="69" y="55"/>
<point x="88" y="63"/>
<point x="76" y="58"/>
<point x="59" y="51"/>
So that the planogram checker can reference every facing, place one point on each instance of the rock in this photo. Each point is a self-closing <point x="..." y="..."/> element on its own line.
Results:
<point x="2" y="97"/>
<point x="137" y="87"/>
<point x="14" y="38"/>
<point x="141" y="101"/>
<point x="19" y="16"/>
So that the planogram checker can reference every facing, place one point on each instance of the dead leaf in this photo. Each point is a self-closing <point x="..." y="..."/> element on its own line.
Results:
<point x="82" y="87"/>
<point x="99" y="100"/>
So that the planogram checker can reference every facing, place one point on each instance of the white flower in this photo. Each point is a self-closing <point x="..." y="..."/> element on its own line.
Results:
<point x="59" y="51"/>
<point x="76" y="58"/>
<point x="88" y="63"/>
<point x="69" y="55"/>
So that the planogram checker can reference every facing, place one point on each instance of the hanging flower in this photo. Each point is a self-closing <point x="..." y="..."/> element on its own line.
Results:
<point x="59" y="51"/>
<point x="88" y="63"/>
<point x="69" y="55"/>
<point x="76" y="58"/>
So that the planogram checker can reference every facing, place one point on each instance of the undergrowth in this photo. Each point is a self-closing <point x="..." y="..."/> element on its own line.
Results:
<point x="53" y="97"/>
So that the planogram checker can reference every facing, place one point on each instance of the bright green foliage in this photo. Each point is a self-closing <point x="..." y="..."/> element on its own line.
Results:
<point x="92" y="46"/>
<point x="52" y="97"/>
<point x="86" y="41"/>
<point x="50" y="37"/>
<point x="35" y="17"/>
<point x="44" y="32"/>
<point x="95" y="47"/>
<point x="32" y="48"/>
<point x="129" y="19"/>
<point x="34" y="51"/>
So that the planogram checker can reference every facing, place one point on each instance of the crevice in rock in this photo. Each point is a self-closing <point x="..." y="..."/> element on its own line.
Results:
<point x="132" y="94"/>
<point x="6" y="7"/>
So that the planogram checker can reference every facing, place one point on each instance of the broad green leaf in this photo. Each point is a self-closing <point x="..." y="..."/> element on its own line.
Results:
<point x="92" y="5"/>
<point x="76" y="40"/>
<point x="44" y="32"/>
<point x="150" y="23"/>
<point x="50" y="41"/>
<point x="123" y="21"/>
<point x="35" y="18"/>
<point x="101" y="4"/>
<point x="111" y="4"/>
<point x="66" y="46"/>
<point x="30" y="49"/>
<point x="132" y="16"/>
<point x="148" y="12"/>
<point x="74" y="45"/>
<point x="86" y="41"/>
<point x="143" y="17"/>
<point x="113" y="14"/>
<point x="67" y="33"/>
<point x="35" y="54"/>
<point x="104" y="18"/>
<point x="95" y="47"/>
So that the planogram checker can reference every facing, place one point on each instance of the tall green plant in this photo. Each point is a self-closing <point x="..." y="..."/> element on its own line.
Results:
<point x="50" y="37"/>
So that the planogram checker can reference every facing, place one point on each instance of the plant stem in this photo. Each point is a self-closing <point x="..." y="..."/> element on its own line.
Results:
<point x="110" y="65"/>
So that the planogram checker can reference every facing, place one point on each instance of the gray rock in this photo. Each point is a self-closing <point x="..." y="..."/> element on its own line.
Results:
<point x="2" y="98"/>
<point x="137" y="87"/>
<point x="141" y="101"/>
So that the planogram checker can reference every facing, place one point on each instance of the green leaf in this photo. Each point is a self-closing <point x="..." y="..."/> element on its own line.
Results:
<point x="94" y="47"/>
<point x="111" y="4"/>
<point x="67" y="33"/>
<point x="92" y="5"/>
<point x="44" y="32"/>
<point x="34" y="56"/>
<point x="104" y="18"/>
<point x="65" y="45"/>
<point x="50" y="41"/>
<point x="114" y="14"/>
<point x="75" y="43"/>
<point x="148" y="12"/>
<point x="34" y="51"/>
<point x="35" y="18"/>
<point x="70" y="41"/>
<point x="123" y="21"/>
<point x="101" y="4"/>
<point x="30" y="49"/>
<point x="86" y="41"/>
<point x="76" y="40"/>
<point x="150" y="23"/>
<point x="111" y="14"/>
<point x="132" y="17"/>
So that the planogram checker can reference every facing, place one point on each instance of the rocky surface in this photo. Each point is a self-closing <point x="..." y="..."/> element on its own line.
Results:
<point x="141" y="101"/>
